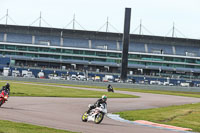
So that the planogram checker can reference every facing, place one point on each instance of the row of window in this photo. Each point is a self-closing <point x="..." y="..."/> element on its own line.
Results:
<point x="58" y="57"/>
<point x="118" y="61"/>
<point x="163" y="64"/>
<point x="143" y="58"/>
<point x="163" y="58"/>
<point x="59" y="50"/>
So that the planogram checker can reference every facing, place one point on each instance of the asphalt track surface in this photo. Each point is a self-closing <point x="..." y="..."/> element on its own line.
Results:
<point x="65" y="113"/>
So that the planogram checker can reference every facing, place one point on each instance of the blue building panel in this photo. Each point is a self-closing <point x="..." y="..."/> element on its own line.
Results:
<point x="19" y="38"/>
<point x="104" y="44"/>
<point x="187" y="50"/>
<point x="47" y="40"/>
<point x="1" y="36"/>
<point x="163" y="49"/>
<point x="136" y="47"/>
<point x="4" y="61"/>
<point x="75" y="42"/>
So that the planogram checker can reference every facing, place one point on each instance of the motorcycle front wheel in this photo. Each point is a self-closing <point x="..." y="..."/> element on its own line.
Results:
<point x="84" y="117"/>
<point x="1" y="102"/>
<point x="99" y="117"/>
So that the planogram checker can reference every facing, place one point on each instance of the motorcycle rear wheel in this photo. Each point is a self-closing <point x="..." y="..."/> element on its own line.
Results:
<point x="99" y="117"/>
<point x="84" y="117"/>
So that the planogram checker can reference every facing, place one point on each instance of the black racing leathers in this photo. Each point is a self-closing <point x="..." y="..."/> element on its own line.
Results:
<point x="110" y="88"/>
<point x="96" y="104"/>
<point x="6" y="89"/>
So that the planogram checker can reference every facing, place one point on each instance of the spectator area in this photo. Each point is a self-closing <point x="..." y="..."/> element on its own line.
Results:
<point x="101" y="44"/>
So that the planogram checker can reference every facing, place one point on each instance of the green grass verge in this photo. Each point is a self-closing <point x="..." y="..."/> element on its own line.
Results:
<point x="20" y="89"/>
<point x="176" y="93"/>
<point x="15" y="127"/>
<point x="164" y="92"/>
<point x="187" y="116"/>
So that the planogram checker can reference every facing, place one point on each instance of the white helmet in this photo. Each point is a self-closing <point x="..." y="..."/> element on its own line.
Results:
<point x="104" y="97"/>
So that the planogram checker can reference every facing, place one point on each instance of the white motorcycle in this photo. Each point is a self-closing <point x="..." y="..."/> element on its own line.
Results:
<point x="96" y="114"/>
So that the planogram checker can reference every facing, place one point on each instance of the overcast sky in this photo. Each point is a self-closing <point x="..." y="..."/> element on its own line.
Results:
<point x="157" y="16"/>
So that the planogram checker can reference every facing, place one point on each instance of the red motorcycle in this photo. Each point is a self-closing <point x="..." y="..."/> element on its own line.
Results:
<point x="3" y="97"/>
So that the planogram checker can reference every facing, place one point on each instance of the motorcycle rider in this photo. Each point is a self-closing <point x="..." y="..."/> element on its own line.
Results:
<point x="6" y="88"/>
<point x="100" y="101"/>
<point x="110" y="88"/>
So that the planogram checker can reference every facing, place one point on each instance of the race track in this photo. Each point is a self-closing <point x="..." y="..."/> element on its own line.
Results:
<point x="65" y="113"/>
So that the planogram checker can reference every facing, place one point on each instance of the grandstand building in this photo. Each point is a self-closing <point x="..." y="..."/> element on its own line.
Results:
<point x="39" y="47"/>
